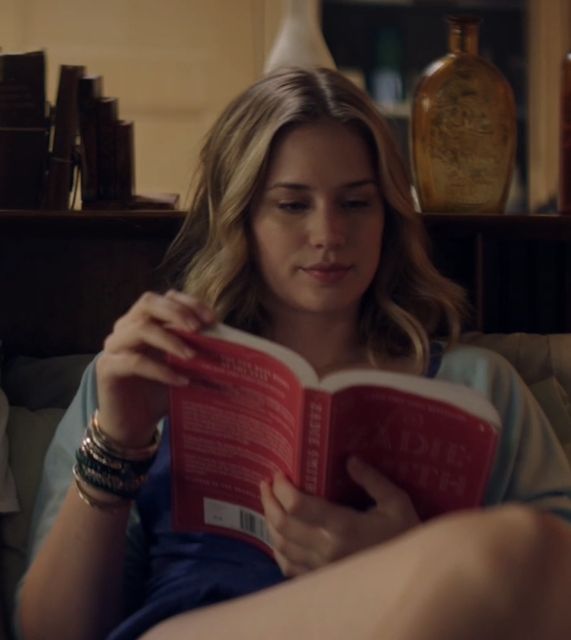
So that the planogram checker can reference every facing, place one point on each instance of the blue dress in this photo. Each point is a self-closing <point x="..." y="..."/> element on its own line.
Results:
<point x="188" y="570"/>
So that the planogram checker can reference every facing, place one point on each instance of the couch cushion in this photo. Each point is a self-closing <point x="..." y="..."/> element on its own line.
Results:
<point x="8" y="497"/>
<point x="30" y="433"/>
<point x="37" y="383"/>
<point x="544" y="363"/>
<point x="535" y="356"/>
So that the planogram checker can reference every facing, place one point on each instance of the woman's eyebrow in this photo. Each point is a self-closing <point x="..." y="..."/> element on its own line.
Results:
<point x="360" y="183"/>
<point x="304" y="187"/>
<point x="289" y="185"/>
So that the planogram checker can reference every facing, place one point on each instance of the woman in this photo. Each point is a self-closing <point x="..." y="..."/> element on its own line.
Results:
<point x="301" y="230"/>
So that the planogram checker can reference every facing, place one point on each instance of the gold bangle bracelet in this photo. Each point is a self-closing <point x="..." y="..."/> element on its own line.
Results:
<point x="103" y="505"/>
<point x="116" y="449"/>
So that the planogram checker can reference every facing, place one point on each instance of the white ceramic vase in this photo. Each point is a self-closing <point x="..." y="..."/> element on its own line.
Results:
<point x="300" y="41"/>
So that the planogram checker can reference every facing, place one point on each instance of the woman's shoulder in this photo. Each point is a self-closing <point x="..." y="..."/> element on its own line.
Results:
<point x="477" y="367"/>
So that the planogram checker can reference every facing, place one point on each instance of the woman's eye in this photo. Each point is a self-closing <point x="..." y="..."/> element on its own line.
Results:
<point x="356" y="204"/>
<point x="292" y="206"/>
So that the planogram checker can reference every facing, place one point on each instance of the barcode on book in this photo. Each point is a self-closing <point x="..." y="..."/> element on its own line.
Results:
<point x="231" y="516"/>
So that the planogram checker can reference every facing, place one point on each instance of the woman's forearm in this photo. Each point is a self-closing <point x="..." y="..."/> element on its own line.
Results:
<point x="74" y="587"/>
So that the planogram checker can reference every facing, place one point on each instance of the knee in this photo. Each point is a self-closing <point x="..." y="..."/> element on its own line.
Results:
<point x="515" y="550"/>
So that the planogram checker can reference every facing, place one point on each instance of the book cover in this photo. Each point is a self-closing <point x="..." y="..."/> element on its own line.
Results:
<point x="124" y="161"/>
<point x="24" y="130"/>
<point x="66" y="128"/>
<point x="90" y="88"/>
<point x="107" y="110"/>
<point x="254" y="407"/>
<point x="23" y="89"/>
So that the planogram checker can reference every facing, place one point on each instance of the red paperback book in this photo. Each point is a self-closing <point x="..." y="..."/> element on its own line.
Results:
<point x="254" y="407"/>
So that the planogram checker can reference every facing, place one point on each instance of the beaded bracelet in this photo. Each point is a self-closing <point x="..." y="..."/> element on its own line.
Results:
<point x="92" y="501"/>
<point x="114" y="448"/>
<point x="117" y="466"/>
<point x="126" y="485"/>
<point x="104" y="464"/>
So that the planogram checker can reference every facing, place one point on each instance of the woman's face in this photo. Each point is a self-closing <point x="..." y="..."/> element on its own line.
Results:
<point x="318" y="222"/>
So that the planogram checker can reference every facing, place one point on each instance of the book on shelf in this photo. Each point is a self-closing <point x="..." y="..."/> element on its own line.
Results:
<point x="124" y="161"/>
<point x="66" y="129"/>
<point x="24" y="129"/>
<point x="253" y="407"/>
<point x="107" y="110"/>
<point x="22" y="89"/>
<point x="89" y="90"/>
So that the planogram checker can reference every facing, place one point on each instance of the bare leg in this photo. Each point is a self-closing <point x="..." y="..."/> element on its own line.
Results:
<point x="498" y="574"/>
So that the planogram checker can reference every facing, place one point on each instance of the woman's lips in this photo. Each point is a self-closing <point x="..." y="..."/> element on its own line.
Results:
<point x="327" y="274"/>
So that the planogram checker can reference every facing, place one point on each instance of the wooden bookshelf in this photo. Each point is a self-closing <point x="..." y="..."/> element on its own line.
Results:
<point x="516" y="268"/>
<point x="65" y="277"/>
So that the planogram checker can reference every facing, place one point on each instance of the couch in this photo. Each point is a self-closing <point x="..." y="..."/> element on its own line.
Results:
<point x="34" y="393"/>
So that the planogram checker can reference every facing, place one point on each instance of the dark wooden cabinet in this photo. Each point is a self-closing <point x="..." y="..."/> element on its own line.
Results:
<point x="516" y="268"/>
<point x="66" y="277"/>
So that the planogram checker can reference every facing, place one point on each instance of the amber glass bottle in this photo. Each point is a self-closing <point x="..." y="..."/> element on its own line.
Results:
<point x="463" y="129"/>
<point x="565" y="138"/>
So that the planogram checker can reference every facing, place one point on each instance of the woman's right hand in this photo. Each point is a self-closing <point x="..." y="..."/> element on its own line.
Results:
<point x="132" y="373"/>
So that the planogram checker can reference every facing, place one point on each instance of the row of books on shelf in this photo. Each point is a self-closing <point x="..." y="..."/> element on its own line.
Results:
<point x="45" y="149"/>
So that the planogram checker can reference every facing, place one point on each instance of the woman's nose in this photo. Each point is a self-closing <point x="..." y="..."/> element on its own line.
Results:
<point x="328" y="228"/>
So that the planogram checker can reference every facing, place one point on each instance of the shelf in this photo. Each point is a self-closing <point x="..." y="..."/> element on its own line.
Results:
<point x="67" y="276"/>
<point x="489" y="5"/>
<point x="163" y="223"/>
<point x="536" y="226"/>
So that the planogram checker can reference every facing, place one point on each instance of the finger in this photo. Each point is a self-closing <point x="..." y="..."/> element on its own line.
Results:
<point x="133" y="364"/>
<point x="144" y="335"/>
<point x="290" y="569"/>
<point x="163" y="309"/>
<point x="295" y="554"/>
<point x="309" y="509"/>
<point x="295" y="540"/>
<point x="379" y="487"/>
<point x="276" y="516"/>
<point x="206" y="314"/>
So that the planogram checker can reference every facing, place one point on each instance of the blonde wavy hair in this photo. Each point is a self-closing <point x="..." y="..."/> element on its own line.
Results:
<point x="409" y="301"/>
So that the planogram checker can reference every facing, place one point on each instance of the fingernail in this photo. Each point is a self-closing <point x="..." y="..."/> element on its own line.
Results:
<point x="208" y="316"/>
<point x="188" y="353"/>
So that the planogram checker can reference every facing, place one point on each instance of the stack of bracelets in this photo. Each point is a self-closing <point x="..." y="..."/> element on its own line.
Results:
<point x="104" y="464"/>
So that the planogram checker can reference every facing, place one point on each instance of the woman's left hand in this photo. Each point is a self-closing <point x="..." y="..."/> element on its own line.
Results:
<point x="309" y="532"/>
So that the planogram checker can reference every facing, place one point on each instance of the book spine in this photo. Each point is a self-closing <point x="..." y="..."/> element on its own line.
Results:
<point x="125" y="161"/>
<point x="24" y="130"/>
<point x="23" y="161"/>
<point x="313" y="459"/>
<point x="90" y="88"/>
<point x="22" y="89"/>
<point x="66" y="126"/>
<point x="107" y="110"/>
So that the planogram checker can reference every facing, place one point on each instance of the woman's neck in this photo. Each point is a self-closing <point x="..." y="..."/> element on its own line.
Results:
<point x="327" y="344"/>
<point x="330" y="344"/>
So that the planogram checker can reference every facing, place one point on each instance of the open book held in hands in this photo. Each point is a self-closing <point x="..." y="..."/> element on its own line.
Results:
<point x="254" y="407"/>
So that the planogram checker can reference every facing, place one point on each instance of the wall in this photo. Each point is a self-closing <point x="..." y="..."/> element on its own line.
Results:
<point x="173" y="64"/>
<point x="549" y="38"/>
